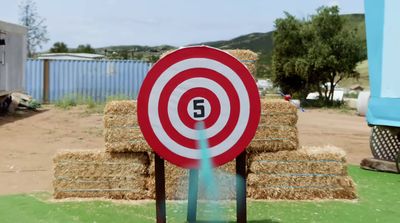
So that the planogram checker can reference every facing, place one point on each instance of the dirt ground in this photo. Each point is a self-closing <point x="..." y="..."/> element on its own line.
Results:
<point x="29" y="140"/>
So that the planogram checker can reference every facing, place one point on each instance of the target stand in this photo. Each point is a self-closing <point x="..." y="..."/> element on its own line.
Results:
<point x="241" y="207"/>
<point x="187" y="86"/>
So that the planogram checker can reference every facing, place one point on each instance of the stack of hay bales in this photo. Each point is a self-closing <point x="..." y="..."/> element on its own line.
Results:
<point x="119" y="172"/>
<point x="277" y="128"/>
<point x="278" y="169"/>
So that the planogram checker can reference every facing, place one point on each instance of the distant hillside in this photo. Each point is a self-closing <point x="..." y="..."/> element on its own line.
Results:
<point x="261" y="43"/>
<point x="257" y="42"/>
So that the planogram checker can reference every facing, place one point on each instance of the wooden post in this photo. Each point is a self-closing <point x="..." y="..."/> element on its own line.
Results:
<point x="241" y="209"/>
<point x="192" y="195"/>
<point x="46" y="81"/>
<point x="160" y="190"/>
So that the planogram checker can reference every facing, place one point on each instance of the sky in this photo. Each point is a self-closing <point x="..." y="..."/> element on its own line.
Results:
<point x="154" y="22"/>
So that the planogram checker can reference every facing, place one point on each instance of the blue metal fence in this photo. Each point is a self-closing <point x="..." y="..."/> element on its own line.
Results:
<point x="89" y="79"/>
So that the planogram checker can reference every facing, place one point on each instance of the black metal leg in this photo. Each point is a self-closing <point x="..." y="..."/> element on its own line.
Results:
<point x="192" y="195"/>
<point x="160" y="190"/>
<point x="241" y="209"/>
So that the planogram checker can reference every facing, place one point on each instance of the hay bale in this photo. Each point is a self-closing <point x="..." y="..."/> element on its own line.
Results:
<point x="310" y="193"/>
<point x="278" y="106"/>
<point x="277" y="127"/>
<point x="89" y="174"/>
<point x="325" y="160"/>
<point x="120" y="121"/>
<point x="306" y="174"/>
<point x="121" y="129"/>
<point x="247" y="57"/>
<point x="120" y="107"/>
<point x="274" y="138"/>
<point x="176" y="182"/>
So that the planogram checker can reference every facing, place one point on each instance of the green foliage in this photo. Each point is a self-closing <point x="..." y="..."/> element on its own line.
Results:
<point x="33" y="104"/>
<point x="315" y="54"/>
<point x="84" y="49"/>
<point x="59" y="47"/>
<point x="37" y="30"/>
<point x="68" y="101"/>
<point x="378" y="202"/>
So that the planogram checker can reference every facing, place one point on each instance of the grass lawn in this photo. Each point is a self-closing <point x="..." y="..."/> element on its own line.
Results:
<point x="379" y="201"/>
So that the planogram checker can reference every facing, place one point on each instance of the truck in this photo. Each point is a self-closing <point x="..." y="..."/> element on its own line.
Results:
<point x="13" y="53"/>
<point x="383" y="114"/>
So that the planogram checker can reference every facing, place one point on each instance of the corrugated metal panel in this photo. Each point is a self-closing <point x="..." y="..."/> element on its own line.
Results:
<point x="34" y="78"/>
<point x="93" y="79"/>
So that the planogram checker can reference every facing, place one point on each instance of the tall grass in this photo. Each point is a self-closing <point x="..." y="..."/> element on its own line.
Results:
<point x="92" y="106"/>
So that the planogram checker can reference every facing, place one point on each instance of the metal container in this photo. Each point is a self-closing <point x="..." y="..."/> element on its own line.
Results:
<point x="383" y="34"/>
<point x="12" y="57"/>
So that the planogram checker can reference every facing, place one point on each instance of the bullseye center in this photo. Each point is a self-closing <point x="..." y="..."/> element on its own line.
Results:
<point x="199" y="108"/>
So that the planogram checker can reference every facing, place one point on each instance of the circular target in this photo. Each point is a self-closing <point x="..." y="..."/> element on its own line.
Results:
<point x="198" y="84"/>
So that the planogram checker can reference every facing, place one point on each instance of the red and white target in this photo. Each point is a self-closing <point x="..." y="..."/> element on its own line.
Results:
<point x="198" y="84"/>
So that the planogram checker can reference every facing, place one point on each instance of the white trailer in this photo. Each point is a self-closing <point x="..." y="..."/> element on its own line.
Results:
<point x="12" y="56"/>
<point x="13" y="53"/>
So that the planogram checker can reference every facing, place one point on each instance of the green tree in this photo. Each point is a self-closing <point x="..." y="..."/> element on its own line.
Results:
<point x="289" y="50"/>
<point x="85" y="49"/>
<point x="315" y="55"/>
<point x="59" y="47"/>
<point x="37" y="30"/>
<point x="335" y="51"/>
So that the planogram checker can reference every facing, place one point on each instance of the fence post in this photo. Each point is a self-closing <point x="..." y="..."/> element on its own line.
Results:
<point x="46" y="81"/>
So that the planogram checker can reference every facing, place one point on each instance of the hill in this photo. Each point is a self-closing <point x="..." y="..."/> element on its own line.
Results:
<point x="262" y="43"/>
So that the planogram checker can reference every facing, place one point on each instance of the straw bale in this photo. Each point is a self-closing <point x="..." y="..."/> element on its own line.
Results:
<point x="348" y="193"/>
<point x="324" y="160"/>
<point x="122" y="134"/>
<point x="306" y="174"/>
<point x="277" y="127"/>
<point x="274" y="138"/>
<point x="247" y="57"/>
<point x="120" y="121"/>
<point x="176" y="182"/>
<point x="298" y="180"/>
<point x="121" y="130"/>
<point x="278" y="112"/>
<point x="279" y="106"/>
<point x="120" y="107"/>
<point x="96" y="174"/>
<point x="275" y="118"/>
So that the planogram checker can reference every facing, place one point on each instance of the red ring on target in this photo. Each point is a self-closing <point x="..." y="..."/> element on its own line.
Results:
<point x="151" y="111"/>
<point x="203" y="93"/>
<point x="197" y="73"/>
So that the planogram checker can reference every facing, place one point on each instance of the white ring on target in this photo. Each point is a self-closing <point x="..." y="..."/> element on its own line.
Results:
<point x="183" y="65"/>
<point x="196" y="83"/>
